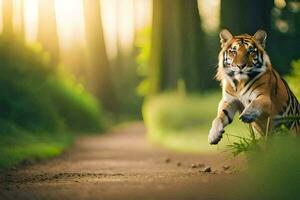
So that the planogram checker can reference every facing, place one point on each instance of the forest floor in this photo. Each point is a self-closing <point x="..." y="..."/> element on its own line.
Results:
<point x="122" y="165"/>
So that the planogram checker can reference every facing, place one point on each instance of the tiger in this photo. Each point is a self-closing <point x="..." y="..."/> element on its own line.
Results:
<point x="251" y="86"/>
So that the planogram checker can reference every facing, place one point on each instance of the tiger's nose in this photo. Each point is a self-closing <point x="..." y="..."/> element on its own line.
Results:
<point x="241" y="66"/>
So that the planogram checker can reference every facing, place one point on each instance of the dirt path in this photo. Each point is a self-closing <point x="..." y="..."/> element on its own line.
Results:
<point x="120" y="166"/>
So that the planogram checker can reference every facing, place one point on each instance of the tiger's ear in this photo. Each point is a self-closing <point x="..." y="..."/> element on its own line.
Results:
<point x="260" y="36"/>
<point x="225" y="36"/>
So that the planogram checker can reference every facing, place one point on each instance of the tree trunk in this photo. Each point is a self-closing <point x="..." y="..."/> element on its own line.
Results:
<point x="22" y="21"/>
<point x="99" y="76"/>
<point x="7" y="8"/>
<point x="19" y="31"/>
<point x="177" y="46"/>
<point x="243" y="16"/>
<point x="47" y="29"/>
<point x="194" y="64"/>
<point x="155" y="63"/>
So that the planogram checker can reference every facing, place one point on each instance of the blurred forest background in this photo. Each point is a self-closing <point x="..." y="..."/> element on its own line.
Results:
<point x="76" y="66"/>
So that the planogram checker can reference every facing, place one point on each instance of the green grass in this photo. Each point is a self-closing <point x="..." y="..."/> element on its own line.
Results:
<point x="21" y="145"/>
<point x="182" y="123"/>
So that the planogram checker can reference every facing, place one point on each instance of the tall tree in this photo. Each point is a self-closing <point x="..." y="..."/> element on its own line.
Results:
<point x="98" y="71"/>
<point x="177" y="46"/>
<point x="19" y="31"/>
<point x="22" y="20"/>
<point x="194" y="64"/>
<point x="7" y="10"/>
<point x="47" y="29"/>
<point x="243" y="16"/>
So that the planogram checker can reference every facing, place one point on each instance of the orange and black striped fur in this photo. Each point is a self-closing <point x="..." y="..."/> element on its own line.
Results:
<point x="251" y="86"/>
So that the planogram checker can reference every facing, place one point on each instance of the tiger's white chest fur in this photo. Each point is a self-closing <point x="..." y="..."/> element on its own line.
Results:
<point x="244" y="96"/>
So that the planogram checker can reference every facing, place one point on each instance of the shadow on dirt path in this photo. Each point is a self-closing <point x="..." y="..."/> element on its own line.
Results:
<point x="121" y="166"/>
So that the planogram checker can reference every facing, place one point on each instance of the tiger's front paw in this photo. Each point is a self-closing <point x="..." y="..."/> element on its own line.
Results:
<point x="216" y="132"/>
<point x="249" y="116"/>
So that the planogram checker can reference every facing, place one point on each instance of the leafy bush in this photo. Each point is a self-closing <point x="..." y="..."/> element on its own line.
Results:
<point x="37" y="98"/>
<point x="273" y="173"/>
<point x="39" y="106"/>
<point x="79" y="110"/>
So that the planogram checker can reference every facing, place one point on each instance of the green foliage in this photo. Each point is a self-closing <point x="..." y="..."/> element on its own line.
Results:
<point x="17" y="144"/>
<point x="250" y="144"/>
<point x="182" y="122"/>
<point x="286" y="17"/>
<point x="294" y="77"/>
<point x="33" y="96"/>
<point x="79" y="110"/>
<point x="243" y="144"/>
<point x="143" y="43"/>
<point x="39" y="106"/>
<point x="273" y="173"/>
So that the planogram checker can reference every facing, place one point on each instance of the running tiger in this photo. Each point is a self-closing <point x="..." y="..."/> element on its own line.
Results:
<point x="251" y="86"/>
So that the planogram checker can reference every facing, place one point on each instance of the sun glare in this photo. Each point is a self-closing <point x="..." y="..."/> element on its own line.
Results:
<point x="69" y="19"/>
<point x="1" y="14"/>
<point x="109" y="18"/>
<point x="17" y="14"/>
<point x="121" y="19"/>
<point x="143" y="13"/>
<point x="31" y="19"/>
<point x="118" y="22"/>
<point x="70" y="22"/>
<point x="126" y="26"/>
<point x="210" y="14"/>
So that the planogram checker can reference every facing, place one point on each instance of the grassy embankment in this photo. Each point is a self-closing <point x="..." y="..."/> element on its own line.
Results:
<point x="18" y="146"/>
<point x="41" y="109"/>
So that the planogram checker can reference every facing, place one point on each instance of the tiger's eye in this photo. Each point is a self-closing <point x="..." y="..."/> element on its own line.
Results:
<point x="252" y="50"/>
<point x="232" y="51"/>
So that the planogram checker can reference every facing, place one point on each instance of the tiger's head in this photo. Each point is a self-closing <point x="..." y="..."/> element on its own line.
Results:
<point x="242" y="57"/>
